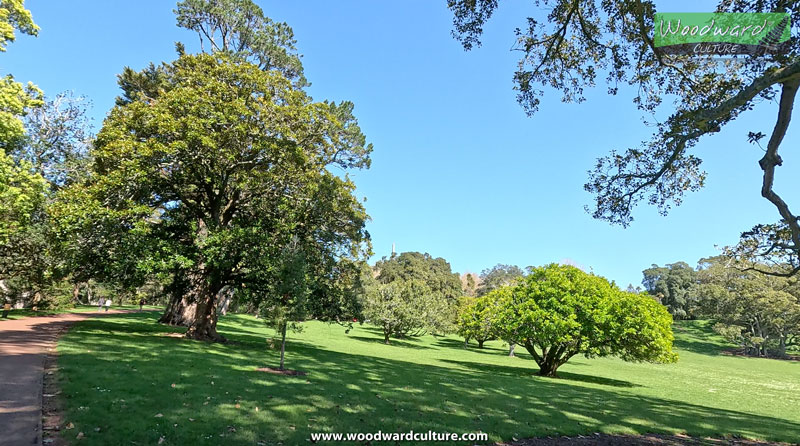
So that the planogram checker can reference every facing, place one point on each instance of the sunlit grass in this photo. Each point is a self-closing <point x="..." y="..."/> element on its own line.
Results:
<point x="119" y="373"/>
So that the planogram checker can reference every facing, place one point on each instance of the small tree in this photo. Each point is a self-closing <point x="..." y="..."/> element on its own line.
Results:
<point x="406" y="308"/>
<point x="559" y="311"/>
<point x="675" y="285"/>
<point x="476" y="320"/>
<point x="286" y="303"/>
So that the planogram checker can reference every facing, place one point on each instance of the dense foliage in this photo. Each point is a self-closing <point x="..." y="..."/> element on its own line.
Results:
<point x="412" y="294"/>
<point x="476" y="319"/>
<point x="674" y="285"/>
<point x="559" y="311"/>
<point x="498" y="276"/>
<point x="209" y="180"/>
<point x="240" y="29"/>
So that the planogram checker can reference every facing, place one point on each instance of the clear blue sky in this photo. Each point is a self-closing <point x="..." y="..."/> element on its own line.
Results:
<point x="458" y="170"/>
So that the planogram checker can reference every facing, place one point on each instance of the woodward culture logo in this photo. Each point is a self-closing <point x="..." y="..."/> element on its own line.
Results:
<point x="721" y="34"/>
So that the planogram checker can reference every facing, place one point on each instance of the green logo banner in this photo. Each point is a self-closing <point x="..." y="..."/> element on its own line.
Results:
<point x="721" y="33"/>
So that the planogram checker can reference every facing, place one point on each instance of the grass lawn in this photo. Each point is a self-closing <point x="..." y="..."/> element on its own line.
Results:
<point x="124" y="375"/>
<point x="26" y="312"/>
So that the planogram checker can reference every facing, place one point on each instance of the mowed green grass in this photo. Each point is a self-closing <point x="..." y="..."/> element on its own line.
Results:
<point x="125" y="375"/>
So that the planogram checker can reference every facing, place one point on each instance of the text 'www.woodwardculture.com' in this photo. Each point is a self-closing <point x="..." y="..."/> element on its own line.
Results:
<point x="399" y="436"/>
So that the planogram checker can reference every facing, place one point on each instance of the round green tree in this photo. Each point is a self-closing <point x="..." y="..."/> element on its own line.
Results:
<point x="559" y="311"/>
<point x="476" y="317"/>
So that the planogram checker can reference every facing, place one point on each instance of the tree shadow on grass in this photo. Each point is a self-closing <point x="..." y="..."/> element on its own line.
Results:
<point x="126" y="379"/>
<point x="473" y="347"/>
<point x="495" y="369"/>
<point x="451" y="343"/>
<point x="392" y="342"/>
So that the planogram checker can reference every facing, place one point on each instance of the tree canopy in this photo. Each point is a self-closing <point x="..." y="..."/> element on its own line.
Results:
<point x="406" y="307"/>
<point x="559" y="311"/>
<point x="14" y="17"/>
<point x="675" y="286"/>
<point x="240" y="29"/>
<point x="435" y="272"/>
<point x="15" y="99"/>
<point x="581" y="41"/>
<point x="477" y="319"/>
<point x="209" y="179"/>
<point x="411" y="294"/>
<point x="498" y="276"/>
<point x="21" y="200"/>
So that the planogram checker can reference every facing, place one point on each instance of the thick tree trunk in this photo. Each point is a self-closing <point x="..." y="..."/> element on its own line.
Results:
<point x="511" y="348"/>
<point x="180" y="311"/>
<point x="480" y="343"/>
<point x="386" y="334"/>
<point x="283" y="343"/>
<point x="203" y="291"/>
<point x="548" y="369"/>
<point x="550" y="359"/>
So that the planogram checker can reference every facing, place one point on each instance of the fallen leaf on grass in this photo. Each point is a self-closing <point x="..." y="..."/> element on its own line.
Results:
<point x="69" y="426"/>
<point x="79" y="436"/>
<point x="159" y="415"/>
<point x="161" y="440"/>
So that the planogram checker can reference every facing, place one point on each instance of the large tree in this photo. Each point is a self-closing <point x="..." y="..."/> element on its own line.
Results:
<point x="559" y="311"/>
<point x="209" y="178"/>
<point x="406" y="307"/>
<point x="22" y="194"/>
<point x="435" y="272"/>
<point x="21" y="188"/>
<point x="57" y="139"/>
<point x="675" y="286"/>
<point x="15" y="99"/>
<point x="498" y="276"/>
<point x="414" y="293"/>
<point x="576" y="42"/>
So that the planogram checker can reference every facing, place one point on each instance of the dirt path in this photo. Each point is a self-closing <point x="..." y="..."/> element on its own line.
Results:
<point x="24" y="344"/>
